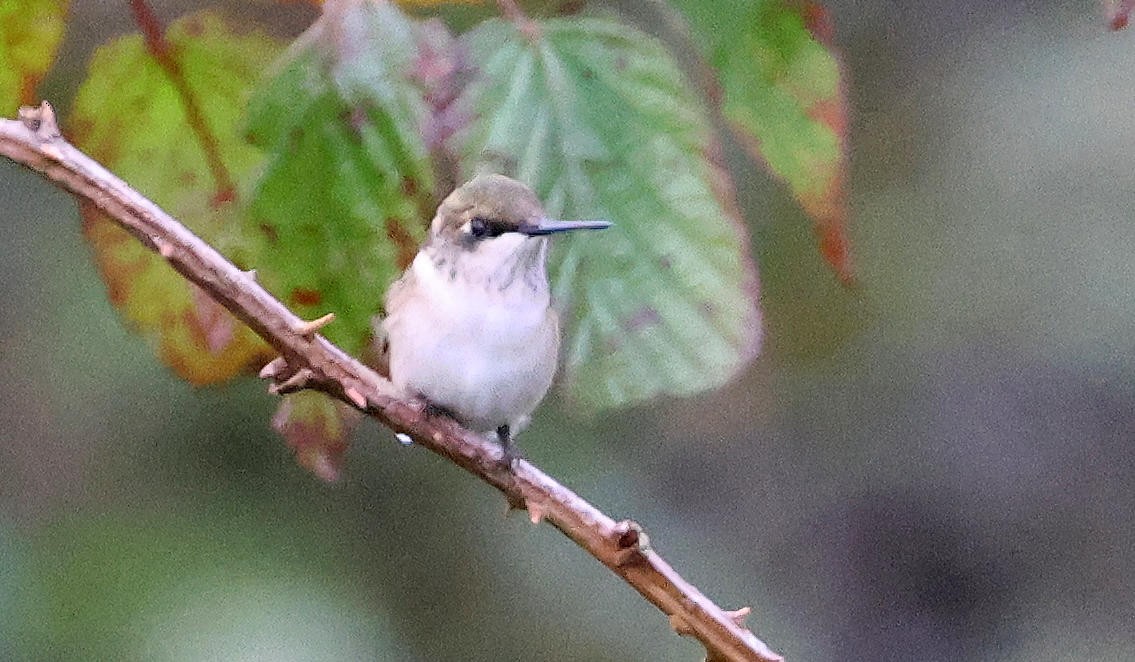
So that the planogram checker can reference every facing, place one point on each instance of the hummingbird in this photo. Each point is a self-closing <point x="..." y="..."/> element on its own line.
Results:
<point x="470" y="325"/>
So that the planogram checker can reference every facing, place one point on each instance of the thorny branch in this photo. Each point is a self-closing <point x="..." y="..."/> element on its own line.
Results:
<point x="309" y="361"/>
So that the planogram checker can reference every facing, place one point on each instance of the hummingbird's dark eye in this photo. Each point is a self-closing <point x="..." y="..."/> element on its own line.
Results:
<point x="479" y="227"/>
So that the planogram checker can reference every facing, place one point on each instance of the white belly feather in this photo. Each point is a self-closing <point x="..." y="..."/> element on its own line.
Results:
<point x="487" y="359"/>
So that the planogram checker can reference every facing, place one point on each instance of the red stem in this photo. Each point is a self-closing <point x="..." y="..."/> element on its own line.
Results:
<point x="163" y="52"/>
<point x="511" y="10"/>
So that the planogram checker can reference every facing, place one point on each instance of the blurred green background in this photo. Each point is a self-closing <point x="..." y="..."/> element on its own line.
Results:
<point x="936" y="465"/>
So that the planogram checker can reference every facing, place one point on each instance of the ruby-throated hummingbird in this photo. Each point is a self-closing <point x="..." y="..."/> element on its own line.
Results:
<point x="470" y="326"/>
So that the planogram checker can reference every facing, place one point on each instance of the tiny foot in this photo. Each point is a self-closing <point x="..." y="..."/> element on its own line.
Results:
<point x="510" y="452"/>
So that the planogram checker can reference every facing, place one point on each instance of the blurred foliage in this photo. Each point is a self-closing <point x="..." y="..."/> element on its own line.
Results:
<point x="322" y="175"/>
<point x="318" y="429"/>
<point x="105" y="588"/>
<point x="30" y="31"/>
<point x="931" y="466"/>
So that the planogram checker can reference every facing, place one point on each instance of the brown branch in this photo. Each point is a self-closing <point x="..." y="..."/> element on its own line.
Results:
<point x="309" y="361"/>
<point x="159" y="47"/>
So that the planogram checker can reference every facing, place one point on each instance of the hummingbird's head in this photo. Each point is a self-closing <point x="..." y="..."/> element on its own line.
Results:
<point x="495" y="225"/>
<point x="490" y="207"/>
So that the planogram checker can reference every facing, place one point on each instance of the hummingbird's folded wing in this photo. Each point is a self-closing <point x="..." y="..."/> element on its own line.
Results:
<point x="378" y="352"/>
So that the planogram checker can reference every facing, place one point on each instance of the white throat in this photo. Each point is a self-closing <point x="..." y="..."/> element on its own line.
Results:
<point x="510" y="269"/>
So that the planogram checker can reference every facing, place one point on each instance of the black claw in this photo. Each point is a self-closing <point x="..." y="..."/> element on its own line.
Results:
<point x="434" y="411"/>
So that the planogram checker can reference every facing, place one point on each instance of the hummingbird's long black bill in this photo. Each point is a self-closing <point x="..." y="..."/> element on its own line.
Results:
<point x="548" y="226"/>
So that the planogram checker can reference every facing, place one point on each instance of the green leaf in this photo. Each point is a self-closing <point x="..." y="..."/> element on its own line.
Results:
<point x="30" y="31"/>
<point x="345" y="197"/>
<point x="784" y="97"/>
<point x="130" y="115"/>
<point x="600" y="121"/>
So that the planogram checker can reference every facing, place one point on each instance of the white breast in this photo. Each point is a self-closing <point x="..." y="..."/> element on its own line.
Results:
<point x="485" y="355"/>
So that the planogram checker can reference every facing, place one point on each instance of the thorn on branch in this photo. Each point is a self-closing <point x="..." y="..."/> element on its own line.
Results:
<point x="512" y="504"/>
<point x="681" y="626"/>
<point x="165" y="249"/>
<point x="297" y="382"/>
<point x="40" y="120"/>
<point x="356" y="398"/>
<point x="738" y="616"/>
<point x="536" y="513"/>
<point x="308" y="329"/>
<point x="630" y="541"/>
<point x="286" y="378"/>
<point x="275" y="368"/>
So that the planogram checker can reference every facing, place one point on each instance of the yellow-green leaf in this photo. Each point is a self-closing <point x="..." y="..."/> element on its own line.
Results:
<point x="130" y="115"/>
<point x="30" y="31"/>
<point x="598" y="118"/>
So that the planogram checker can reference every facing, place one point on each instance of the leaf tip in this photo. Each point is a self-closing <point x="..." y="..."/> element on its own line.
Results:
<point x="1118" y="13"/>
<point x="316" y="428"/>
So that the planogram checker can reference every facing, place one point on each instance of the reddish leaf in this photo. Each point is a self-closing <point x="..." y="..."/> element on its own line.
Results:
<point x="1118" y="12"/>
<point x="316" y="428"/>
<point x="782" y="88"/>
